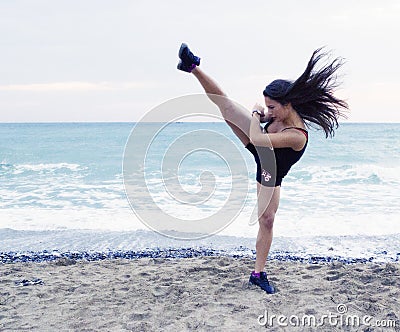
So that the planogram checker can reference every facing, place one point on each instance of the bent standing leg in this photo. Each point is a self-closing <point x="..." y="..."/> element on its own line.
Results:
<point x="235" y="116"/>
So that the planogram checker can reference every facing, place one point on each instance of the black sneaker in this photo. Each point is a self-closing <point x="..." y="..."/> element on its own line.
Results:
<point x="262" y="282"/>
<point x="187" y="57"/>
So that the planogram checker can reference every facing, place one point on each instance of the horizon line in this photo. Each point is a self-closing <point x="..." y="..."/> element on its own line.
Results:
<point x="221" y="121"/>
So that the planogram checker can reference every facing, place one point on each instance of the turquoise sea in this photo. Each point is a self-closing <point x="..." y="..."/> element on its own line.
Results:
<point x="62" y="188"/>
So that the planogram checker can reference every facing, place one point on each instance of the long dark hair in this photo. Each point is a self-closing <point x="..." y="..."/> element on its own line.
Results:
<point x="311" y="95"/>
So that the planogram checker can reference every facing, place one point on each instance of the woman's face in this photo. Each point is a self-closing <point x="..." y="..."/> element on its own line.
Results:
<point x="275" y="110"/>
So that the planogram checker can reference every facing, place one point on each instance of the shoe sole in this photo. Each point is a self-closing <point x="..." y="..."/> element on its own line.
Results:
<point x="183" y="47"/>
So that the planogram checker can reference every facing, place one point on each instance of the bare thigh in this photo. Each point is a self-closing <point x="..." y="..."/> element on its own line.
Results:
<point x="236" y="116"/>
<point x="267" y="199"/>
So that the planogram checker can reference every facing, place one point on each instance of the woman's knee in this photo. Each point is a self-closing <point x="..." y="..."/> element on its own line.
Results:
<point x="266" y="220"/>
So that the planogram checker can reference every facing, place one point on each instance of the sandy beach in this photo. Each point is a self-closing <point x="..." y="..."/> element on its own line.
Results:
<point x="197" y="294"/>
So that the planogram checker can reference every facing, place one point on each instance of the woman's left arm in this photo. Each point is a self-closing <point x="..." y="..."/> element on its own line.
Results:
<point x="257" y="137"/>
<point x="290" y="138"/>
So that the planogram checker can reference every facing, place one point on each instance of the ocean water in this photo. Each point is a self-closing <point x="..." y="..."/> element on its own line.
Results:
<point x="62" y="188"/>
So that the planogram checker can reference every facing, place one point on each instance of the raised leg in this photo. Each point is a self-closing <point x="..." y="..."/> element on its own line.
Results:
<point x="237" y="117"/>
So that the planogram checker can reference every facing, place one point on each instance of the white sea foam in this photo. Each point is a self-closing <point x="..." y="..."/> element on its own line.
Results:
<point x="49" y="219"/>
<point x="45" y="168"/>
<point x="346" y="174"/>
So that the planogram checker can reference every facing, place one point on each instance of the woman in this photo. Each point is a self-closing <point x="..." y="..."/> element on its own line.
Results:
<point x="292" y="106"/>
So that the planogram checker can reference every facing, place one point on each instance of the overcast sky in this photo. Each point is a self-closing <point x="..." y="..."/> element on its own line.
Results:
<point x="97" y="60"/>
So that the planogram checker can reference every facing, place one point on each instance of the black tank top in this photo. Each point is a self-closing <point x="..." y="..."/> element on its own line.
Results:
<point x="286" y="157"/>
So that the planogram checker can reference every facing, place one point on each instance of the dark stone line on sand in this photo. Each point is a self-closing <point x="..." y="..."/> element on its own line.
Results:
<point x="173" y="253"/>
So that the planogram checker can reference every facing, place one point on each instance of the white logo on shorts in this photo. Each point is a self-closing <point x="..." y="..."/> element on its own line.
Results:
<point x="266" y="175"/>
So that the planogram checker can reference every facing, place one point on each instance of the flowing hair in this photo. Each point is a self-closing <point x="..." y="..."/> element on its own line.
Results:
<point x="311" y="95"/>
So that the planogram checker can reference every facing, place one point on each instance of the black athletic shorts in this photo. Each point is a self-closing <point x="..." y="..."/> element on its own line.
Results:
<point x="266" y="165"/>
